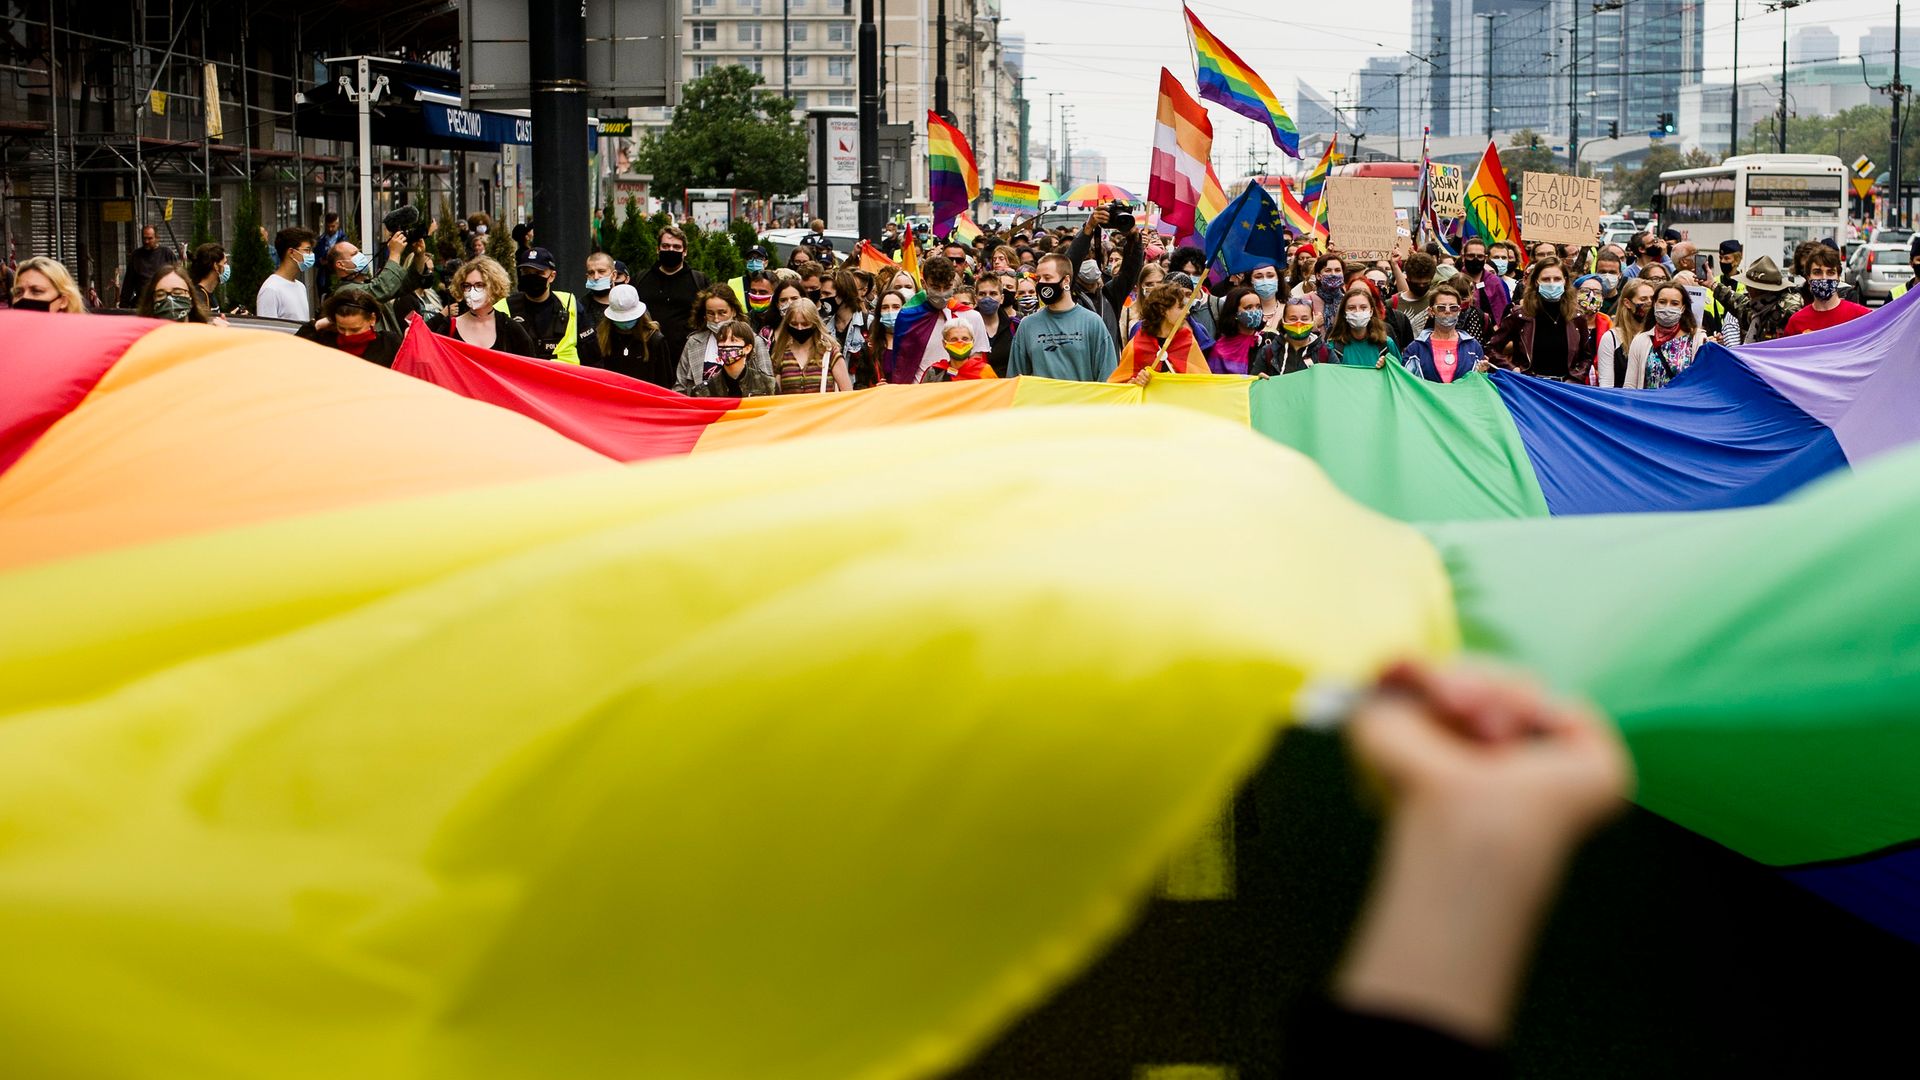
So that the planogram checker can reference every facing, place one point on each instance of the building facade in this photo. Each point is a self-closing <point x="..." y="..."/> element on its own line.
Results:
<point x="1817" y="90"/>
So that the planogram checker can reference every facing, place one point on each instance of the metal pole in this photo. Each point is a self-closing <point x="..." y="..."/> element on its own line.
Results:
<point x="1899" y="91"/>
<point x="1784" y="8"/>
<point x="882" y="52"/>
<point x="1489" y="19"/>
<point x="53" y="128"/>
<point x="364" y="99"/>
<point x="1733" y="132"/>
<point x="786" y="43"/>
<point x="940" y="63"/>
<point x="557" y="66"/>
<point x="1052" y="176"/>
<point x="996" y="92"/>
<point x="1573" y="95"/>
<point x="293" y="120"/>
<point x="873" y="210"/>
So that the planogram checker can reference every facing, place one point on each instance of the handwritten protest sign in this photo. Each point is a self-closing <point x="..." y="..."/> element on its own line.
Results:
<point x="1559" y="209"/>
<point x="1449" y="186"/>
<point x="1360" y="217"/>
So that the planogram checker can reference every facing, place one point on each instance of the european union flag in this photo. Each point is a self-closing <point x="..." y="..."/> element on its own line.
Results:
<point x="1250" y="232"/>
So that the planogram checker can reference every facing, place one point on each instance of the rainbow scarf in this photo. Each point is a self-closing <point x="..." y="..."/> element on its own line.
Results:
<point x="1225" y="79"/>
<point x="952" y="178"/>
<point x="1183" y="355"/>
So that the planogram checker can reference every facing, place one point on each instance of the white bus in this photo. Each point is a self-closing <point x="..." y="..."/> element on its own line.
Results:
<point x="1771" y="203"/>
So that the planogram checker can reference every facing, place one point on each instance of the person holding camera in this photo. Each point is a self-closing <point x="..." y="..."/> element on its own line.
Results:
<point x="1090" y="289"/>
<point x="349" y="265"/>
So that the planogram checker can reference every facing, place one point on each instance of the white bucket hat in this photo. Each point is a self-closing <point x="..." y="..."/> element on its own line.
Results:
<point x="624" y="305"/>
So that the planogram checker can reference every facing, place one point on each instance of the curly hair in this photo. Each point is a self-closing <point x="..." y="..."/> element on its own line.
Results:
<point x="697" y="318"/>
<point x="492" y="275"/>
<point x="1161" y="301"/>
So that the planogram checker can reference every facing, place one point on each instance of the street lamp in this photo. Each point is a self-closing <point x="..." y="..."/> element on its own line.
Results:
<point x="1783" y="6"/>
<point x="1490" y="109"/>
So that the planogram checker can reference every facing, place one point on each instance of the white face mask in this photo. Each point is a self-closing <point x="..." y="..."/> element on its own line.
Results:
<point x="1359" y="319"/>
<point x="476" y="298"/>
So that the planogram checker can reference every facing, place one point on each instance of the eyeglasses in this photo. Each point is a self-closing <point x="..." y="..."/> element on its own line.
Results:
<point x="1438" y="310"/>
<point x="178" y="294"/>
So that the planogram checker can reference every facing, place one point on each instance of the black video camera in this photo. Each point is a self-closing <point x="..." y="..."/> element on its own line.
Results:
<point x="1119" y="216"/>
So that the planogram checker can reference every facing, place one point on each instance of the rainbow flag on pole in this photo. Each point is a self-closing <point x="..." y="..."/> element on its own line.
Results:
<point x="953" y="178"/>
<point x="1300" y="218"/>
<point x="1016" y="196"/>
<point x="1316" y="181"/>
<point x="1490" y="203"/>
<point x="1225" y="79"/>
<point x="965" y="230"/>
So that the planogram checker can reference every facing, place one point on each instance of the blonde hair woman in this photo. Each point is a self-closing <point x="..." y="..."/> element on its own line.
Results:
<point x="42" y="284"/>
<point x="1632" y="316"/>
<point x="479" y="284"/>
<point x="804" y="355"/>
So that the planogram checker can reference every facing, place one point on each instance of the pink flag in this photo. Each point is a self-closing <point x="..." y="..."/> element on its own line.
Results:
<point x="1182" y="151"/>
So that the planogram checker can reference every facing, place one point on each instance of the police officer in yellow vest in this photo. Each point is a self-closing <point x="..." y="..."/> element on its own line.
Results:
<point x="548" y="315"/>
<point x="1913" y="260"/>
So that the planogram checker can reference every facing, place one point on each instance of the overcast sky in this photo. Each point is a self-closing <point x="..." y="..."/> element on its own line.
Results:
<point x="1104" y="56"/>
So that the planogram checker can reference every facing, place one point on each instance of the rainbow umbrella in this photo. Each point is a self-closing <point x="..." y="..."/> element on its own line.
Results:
<point x="1048" y="193"/>
<point x="1097" y="194"/>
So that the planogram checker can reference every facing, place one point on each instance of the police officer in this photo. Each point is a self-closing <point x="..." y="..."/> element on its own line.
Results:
<point x="548" y="315"/>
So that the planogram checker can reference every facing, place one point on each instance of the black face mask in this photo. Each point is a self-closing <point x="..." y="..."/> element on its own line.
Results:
<point x="828" y="307"/>
<point x="1049" y="292"/>
<point x="533" y="286"/>
<point x="669" y="260"/>
<point x="1473" y="267"/>
<point x="801" y="333"/>
<point x="811" y="294"/>
<point x="26" y="304"/>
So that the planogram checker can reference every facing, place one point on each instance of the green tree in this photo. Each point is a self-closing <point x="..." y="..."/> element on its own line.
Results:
<point x="745" y="237"/>
<point x="445" y="239"/>
<point x="727" y="133"/>
<point x="1637" y="187"/>
<point x="248" y="256"/>
<point x="204" y="227"/>
<point x="1526" y="152"/>
<point x="628" y="242"/>
<point x="716" y="256"/>
<point x="1862" y="129"/>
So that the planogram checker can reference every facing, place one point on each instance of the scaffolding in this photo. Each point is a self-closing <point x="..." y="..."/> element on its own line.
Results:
<point x="115" y="115"/>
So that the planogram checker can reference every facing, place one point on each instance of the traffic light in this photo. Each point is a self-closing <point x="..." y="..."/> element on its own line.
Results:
<point x="1666" y="122"/>
<point x="1613" y="129"/>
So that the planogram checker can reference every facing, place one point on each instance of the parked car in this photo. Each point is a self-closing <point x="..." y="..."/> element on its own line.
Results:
<point x="1876" y="268"/>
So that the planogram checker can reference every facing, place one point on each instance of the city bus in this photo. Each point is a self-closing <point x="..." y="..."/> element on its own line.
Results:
<point x="1771" y="203"/>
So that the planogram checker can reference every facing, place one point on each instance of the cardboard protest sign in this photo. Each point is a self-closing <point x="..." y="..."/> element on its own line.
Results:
<point x="1559" y="209"/>
<point x="1449" y="188"/>
<point x="1361" y="222"/>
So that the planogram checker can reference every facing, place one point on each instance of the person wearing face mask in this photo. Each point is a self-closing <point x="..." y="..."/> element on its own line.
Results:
<point x="208" y="270"/>
<point x="964" y="361"/>
<point x="350" y="322"/>
<point x="625" y="340"/>
<point x="1590" y="291"/>
<point x="805" y="358"/>
<point x="1545" y="334"/>
<point x="43" y="284"/>
<point x="170" y="296"/>
<point x="398" y="278"/>
<point x="870" y="370"/>
<point x="670" y="289"/>
<point x="479" y="284"/>
<point x="1491" y="293"/>
<point x="1026" y="296"/>
<point x="1325" y="287"/>
<point x="1359" y="336"/>
<point x="549" y="316"/>
<point x="1266" y="284"/>
<point x="1300" y="271"/>
<point x="1410" y="303"/>
<point x="1242" y="333"/>
<point x="1297" y="346"/>
<point x="1441" y="353"/>
<point x="756" y="260"/>
<point x="738" y="368"/>
<point x="283" y="295"/>
<point x="917" y="344"/>
<point x="1632" y="316"/>
<point x="1827" y="308"/>
<point x="760" y="311"/>
<point x="989" y="300"/>
<point x="714" y="310"/>
<point x="599" y="286"/>
<point x="1667" y="348"/>
<point x="1504" y="258"/>
<point x="1061" y="340"/>
<point x="840" y="308"/>
<point x="1766" y="300"/>
<point x="1606" y="267"/>
<point x="1091" y="289"/>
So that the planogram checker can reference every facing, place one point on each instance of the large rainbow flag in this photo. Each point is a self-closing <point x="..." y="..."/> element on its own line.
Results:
<point x="1490" y="203"/>
<point x="1182" y="155"/>
<point x="1226" y="80"/>
<point x="952" y="178"/>
<point x="1316" y="182"/>
<point x="372" y="722"/>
